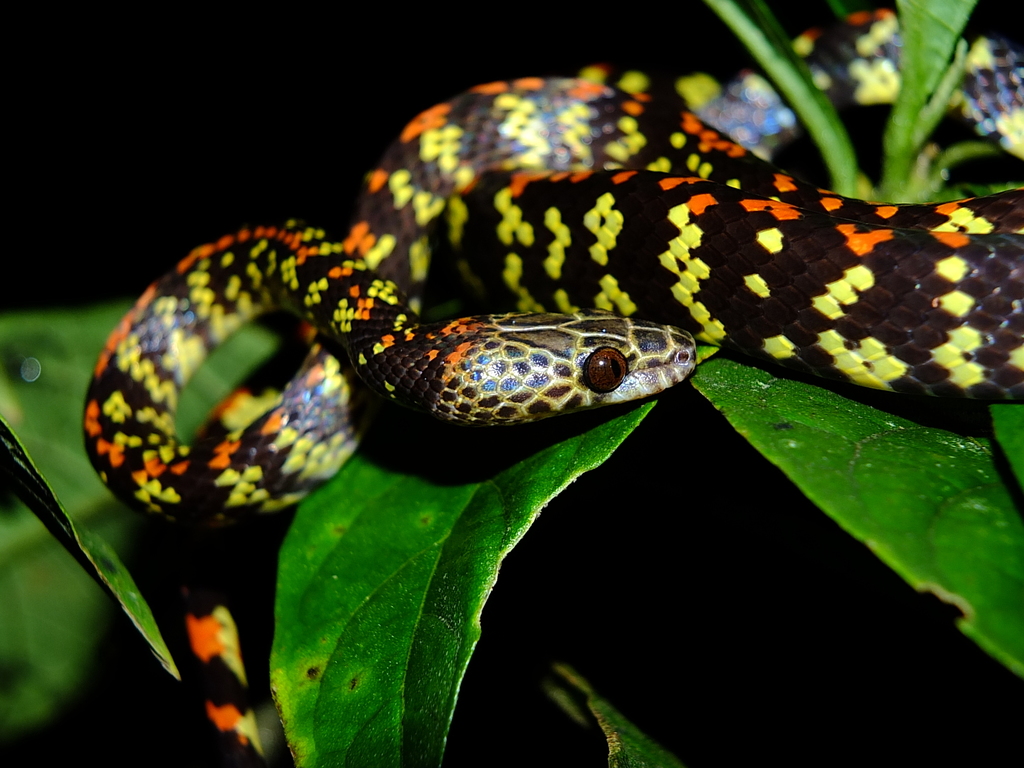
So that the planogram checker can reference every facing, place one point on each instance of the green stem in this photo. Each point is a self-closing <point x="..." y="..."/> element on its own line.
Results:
<point x="768" y="43"/>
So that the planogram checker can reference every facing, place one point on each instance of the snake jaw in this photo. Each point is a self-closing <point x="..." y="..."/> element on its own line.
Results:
<point x="528" y="367"/>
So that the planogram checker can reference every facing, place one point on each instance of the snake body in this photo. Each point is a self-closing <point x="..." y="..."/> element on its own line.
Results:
<point x="594" y="197"/>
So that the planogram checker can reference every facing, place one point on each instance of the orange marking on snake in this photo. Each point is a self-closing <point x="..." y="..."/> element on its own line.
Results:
<point x="886" y="211"/>
<point x="810" y="35"/>
<point x="226" y="718"/>
<point x="114" y="452"/>
<point x="273" y="423"/>
<point x="831" y="203"/>
<point x="432" y="354"/>
<point x="700" y="203"/>
<point x="708" y="138"/>
<point x="104" y="360"/>
<point x="952" y="239"/>
<point x="586" y="90"/>
<point x="204" y="635"/>
<point x="197" y="253"/>
<point x="459" y="326"/>
<point x="520" y="181"/>
<point x="623" y="176"/>
<point x="92" y="419"/>
<point x="359" y="238"/>
<point x="947" y="209"/>
<point x="490" y="89"/>
<point x="633" y="108"/>
<point x="229" y="403"/>
<point x="223" y="458"/>
<point x="863" y="242"/>
<point x="674" y="181"/>
<point x="781" y="211"/>
<point x="120" y="333"/>
<point x="784" y="183"/>
<point x="377" y="180"/>
<point x="691" y="124"/>
<point x="528" y="83"/>
<point x="427" y="120"/>
<point x="458" y="354"/>
<point x="863" y="17"/>
<point x="179" y="468"/>
<point x="154" y="466"/>
<point x="580" y="176"/>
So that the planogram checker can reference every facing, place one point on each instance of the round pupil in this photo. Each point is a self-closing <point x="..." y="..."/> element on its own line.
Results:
<point x="604" y="370"/>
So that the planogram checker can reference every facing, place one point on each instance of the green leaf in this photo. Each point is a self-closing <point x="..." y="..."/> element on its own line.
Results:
<point x="1008" y="422"/>
<point x="382" y="580"/>
<point x="753" y="23"/>
<point x="930" y="503"/>
<point x="930" y="31"/>
<point x="843" y="8"/>
<point x="628" y="746"/>
<point x="95" y="556"/>
<point x="52" y="616"/>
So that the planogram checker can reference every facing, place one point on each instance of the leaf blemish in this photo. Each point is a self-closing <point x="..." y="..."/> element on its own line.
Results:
<point x="781" y="426"/>
<point x="313" y="673"/>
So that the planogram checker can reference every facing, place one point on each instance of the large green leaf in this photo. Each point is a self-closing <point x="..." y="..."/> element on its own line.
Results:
<point x="1008" y="422"/>
<point x="382" y="580"/>
<point x="930" y="31"/>
<point x="93" y="554"/>
<point x="52" y="616"/>
<point x="931" y="504"/>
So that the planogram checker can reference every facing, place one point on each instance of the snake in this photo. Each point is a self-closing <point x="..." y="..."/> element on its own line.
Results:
<point x="624" y="228"/>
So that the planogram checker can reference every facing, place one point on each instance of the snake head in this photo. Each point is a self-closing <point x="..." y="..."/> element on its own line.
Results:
<point x="507" y="369"/>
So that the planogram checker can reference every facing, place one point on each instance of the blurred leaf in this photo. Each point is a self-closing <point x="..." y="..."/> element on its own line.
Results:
<point x="52" y="618"/>
<point x="95" y="556"/>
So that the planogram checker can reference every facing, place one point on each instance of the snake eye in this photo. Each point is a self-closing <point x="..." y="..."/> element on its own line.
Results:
<point x="605" y="369"/>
